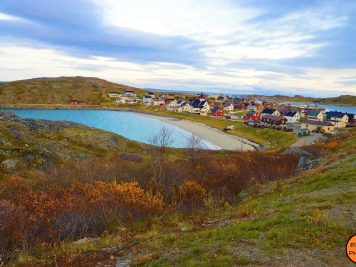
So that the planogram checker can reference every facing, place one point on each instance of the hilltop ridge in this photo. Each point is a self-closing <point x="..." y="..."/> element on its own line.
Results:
<point x="60" y="90"/>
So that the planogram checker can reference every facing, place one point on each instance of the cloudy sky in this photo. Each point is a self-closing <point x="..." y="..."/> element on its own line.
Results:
<point x="246" y="46"/>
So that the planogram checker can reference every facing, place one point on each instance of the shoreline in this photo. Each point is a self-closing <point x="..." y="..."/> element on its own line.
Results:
<point x="223" y="140"/>
<point x="215" y="136"/>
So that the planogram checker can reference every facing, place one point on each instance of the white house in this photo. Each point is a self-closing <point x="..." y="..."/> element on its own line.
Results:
<point x="158" y="102"/>
<point x="172" y="105"/>
<point x="270" y="111"/>
<point x="130" y="93"/>
<point x="186" y="106"/>
<point x="315" y="115"/>
<point x="229" y="106"/>
<point x="199" y="106"/>
<point x="292" y="116"/>
<point x="114" y="94"/>
<point x="147" y="100"/>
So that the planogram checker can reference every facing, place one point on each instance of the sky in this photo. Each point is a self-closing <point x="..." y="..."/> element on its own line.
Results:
<point x="304" y="47"/>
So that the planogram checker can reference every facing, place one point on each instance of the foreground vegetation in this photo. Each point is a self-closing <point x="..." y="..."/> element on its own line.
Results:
<point x="158" y="206"/>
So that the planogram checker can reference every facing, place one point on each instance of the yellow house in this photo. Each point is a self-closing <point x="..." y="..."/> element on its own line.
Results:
<point x="318" y="125"/>
<point x="338" y="119"/>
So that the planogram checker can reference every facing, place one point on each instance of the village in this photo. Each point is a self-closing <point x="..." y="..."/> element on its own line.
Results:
<point x="299" y="118"/>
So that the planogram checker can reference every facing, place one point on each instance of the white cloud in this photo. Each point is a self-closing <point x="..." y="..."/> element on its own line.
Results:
<point x="4" y="16"/>
<point x="21" y="62"/>
<point x="225" y="29"/>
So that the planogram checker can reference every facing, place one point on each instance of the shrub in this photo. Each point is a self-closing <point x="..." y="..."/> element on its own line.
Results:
<point x="80" y="209"/>
<point x="191" y="196"/>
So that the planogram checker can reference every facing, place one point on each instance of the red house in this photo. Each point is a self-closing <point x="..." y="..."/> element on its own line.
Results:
<point x="252" y="116"/>
<point x="218" y="112"/>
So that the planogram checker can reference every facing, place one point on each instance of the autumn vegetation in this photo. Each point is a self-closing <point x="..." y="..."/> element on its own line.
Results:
<point x="96" y="196"/>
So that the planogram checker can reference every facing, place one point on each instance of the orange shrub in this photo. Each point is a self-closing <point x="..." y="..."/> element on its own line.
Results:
<point x="191" y="196"/>
<point x="80" y="209"/>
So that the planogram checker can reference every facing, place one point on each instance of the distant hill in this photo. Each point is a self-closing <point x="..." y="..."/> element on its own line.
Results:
<point x="58" y="90"/>
<point x="349" y="100"/>
<point x="94" y="90"/>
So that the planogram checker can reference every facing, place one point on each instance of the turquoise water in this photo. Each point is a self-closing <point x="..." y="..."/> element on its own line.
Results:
<point x="131" y="125"/>
<point x="345" y="109"/>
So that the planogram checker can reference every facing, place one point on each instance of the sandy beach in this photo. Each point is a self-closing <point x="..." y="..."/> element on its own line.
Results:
<point x="223" y="140"/>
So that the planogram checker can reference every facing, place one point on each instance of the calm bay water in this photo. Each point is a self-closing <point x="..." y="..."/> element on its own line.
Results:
<point x="345" y="109"/>
<point x="131" y="125"/>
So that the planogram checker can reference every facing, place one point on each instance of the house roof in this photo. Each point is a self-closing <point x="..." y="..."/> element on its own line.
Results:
<point x="252" y="113"/>
<point x="335" y="114"/>
<point x="351" y="116"/>
<point x="290" y="114"/>
<point x="314" y="113"/>
<point x="216" y="108"/>
<point x="198" y="103"/>
<point x="268" y="111"/>
<point x="272" y="117"/>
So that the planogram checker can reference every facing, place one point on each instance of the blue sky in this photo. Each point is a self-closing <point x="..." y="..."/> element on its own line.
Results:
<point x="247" y="46"/>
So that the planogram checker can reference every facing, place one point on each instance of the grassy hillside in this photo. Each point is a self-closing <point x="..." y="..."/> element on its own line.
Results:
<point x="305" y="220"/>
<point x="58" y="90"/>
<point x="38" y="144"/>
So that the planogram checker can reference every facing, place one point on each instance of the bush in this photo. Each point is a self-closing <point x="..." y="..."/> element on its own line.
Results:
<point x="80" y="209"/>
<point x="191" y="196"/>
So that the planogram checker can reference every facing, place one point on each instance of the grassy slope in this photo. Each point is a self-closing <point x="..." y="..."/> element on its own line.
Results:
<point x="58" y="90"/>
<point x="301" y="221"/>
<point x="42" y="144"/>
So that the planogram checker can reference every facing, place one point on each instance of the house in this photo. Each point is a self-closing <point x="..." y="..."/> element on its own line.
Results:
<point x="186" y="106"/>
<point x="273" y="119"/>
<point x="338" y="119"/>
<point x="240" y="106"/>
<point x="157" y="101"/>
<point x="270" y="111"/>
<point x="251" y="108"/>
<point x="130" y="93"/>
<point x="170" y="97"/>
<point x="147" y="100"/>
<point x="352" y="119"/>
<point x="315" y="115"/>
<point x="199" y="106"/>
<point x="292" y="116"/>
<point x="151" y="94"/>
<point x="132" y="101"/>
<point x="217" y="111"/>
<point x="228" y="106"/>
<point x="172" y="105"/>
<point x="318" y="126"/>
<point x="252" y="116"/>
<point x="114" y="94"/>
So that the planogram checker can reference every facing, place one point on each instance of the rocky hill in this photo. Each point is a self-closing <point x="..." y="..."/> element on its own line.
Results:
<point x="58" y="90"/>
<point x="38" y="144"/>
